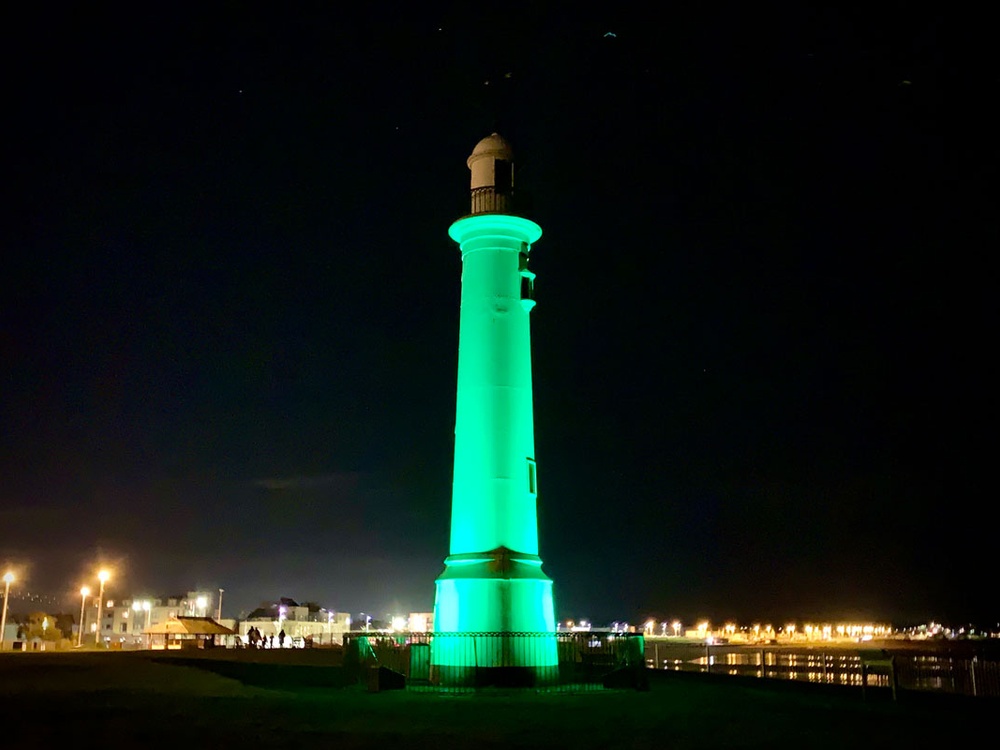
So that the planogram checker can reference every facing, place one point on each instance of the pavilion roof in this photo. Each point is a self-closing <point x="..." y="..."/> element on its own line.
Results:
<point x="188" y="626"/>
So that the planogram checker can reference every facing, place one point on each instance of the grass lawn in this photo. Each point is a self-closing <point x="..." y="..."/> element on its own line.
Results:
<point x="298" y="699"/>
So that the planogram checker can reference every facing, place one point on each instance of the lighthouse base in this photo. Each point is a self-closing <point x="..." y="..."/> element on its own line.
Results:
<point x="494" y="621"/>
<point x="447" y="675"/>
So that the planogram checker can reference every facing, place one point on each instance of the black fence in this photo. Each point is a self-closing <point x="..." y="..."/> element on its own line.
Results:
<point x="949" y="674"/>
<point x="473" y="661"/>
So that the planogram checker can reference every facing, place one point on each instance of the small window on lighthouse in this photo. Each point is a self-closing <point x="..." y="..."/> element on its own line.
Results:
<point x="532" y="477"/>
<point x="527" y="287"/>
<point x="527" y="277"/>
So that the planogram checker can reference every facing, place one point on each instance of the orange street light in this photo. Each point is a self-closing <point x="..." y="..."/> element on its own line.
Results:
<point x="84" y="593"/>
<point x="8" y="579"/>
<point x="103" y="577"/>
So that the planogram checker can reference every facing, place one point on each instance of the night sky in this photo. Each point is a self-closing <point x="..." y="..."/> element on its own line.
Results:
<point x="761" y="350"/>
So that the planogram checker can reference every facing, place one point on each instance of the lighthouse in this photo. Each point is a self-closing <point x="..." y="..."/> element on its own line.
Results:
<point x="493" y="581"/>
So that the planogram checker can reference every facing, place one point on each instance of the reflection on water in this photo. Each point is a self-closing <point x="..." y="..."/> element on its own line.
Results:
<point x="838" y="666"/>
<point x="840" y="669"/>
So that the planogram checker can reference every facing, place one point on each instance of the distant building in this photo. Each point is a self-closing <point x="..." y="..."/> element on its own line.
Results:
<point x="10" y="634"/>
<point x="301" y="622"/>
<point x="124" y="620"/>
<point x="420" y="622"/>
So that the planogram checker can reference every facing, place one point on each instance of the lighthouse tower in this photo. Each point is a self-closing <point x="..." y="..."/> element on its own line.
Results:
<point x="493" y="580"/>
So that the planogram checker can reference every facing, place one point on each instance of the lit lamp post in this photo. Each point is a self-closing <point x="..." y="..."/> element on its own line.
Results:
<point x="147" y="607"/>
<point x="8" y="579"/>
<point x="103" y="577"/>
<point x="84" y="593"/>
<point x="218" y="610"/>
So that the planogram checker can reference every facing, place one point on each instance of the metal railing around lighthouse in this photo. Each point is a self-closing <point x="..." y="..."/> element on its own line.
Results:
<point x="584" y="660"/>
<point x="489" y="200"/>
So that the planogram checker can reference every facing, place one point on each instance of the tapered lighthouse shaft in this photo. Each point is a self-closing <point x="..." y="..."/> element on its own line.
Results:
<point x="493" y="580"/>
<point x="495" y="483"/>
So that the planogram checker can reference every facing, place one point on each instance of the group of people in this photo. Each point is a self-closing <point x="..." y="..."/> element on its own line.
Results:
<point x="256" y="639"/>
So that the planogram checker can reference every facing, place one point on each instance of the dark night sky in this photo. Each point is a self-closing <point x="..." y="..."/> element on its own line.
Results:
<point x="761" y="350"/>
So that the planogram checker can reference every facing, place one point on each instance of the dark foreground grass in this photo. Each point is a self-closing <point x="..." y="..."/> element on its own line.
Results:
<point x="230" y="700"/>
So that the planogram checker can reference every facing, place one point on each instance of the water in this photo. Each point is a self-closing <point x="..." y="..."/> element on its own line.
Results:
<point x="838" y="664"/>
<point x="839" y="669"/>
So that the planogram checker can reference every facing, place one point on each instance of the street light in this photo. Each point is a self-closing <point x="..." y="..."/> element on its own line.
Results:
<point x="84" y="593"/>
<point x="8" y="579"/>
<point x="147" y="607"/>
<point x="103" y="577"/>
<point x="218" y="611"/>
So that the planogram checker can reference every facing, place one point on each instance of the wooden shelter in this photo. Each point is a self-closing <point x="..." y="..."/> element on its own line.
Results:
<point x="186" y="632"/>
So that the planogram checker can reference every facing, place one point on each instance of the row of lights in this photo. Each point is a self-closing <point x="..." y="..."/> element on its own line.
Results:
<point x="811" y="631"/>
<point x="103" y="577"/>
<point x="9" y="578"/>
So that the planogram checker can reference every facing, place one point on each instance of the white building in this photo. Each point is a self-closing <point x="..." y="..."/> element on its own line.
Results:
<point x="420" y="622"/>
<point x="9" y="635"/>
<point x="123" y="620"/>
<point x="325" y="628"/>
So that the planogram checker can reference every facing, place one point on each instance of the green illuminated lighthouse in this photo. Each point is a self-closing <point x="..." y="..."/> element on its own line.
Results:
<point x="493" y="580"/>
